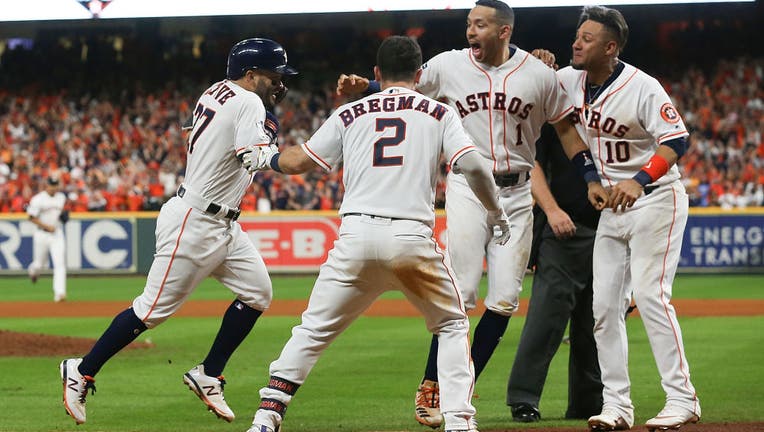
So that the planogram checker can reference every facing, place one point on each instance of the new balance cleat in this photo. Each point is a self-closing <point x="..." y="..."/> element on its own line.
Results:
<point x="76" y="388"/>
<point x="210" y="391"/>
<point x="427" y="402"/>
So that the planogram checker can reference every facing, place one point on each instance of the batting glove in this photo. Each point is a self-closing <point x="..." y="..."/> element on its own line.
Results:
<point x="259" y="158"/>
<point x="498" y="220"/>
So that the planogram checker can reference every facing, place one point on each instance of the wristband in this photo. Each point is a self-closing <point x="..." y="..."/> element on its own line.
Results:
<point x="373" y="87"/>
<point x="274" y="163"/>
<point x="584" y="163"/>
<point x="643" y="178"/>
<point x="656" y="167"/>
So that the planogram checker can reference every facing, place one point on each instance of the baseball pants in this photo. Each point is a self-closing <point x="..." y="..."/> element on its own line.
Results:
<point x="470" y="242"/>
<point x="371" y="256"/>
<point x="637" y="252"/>
<point x="190" y="246"/>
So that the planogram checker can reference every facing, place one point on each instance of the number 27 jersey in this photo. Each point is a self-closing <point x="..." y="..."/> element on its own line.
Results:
<point x="625" y="124"/>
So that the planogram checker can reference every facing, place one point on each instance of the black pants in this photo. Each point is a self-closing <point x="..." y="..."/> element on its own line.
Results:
<point x="562" y="291"/>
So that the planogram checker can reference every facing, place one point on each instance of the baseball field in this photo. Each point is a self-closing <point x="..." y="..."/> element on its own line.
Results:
<point x="364" y="382"/>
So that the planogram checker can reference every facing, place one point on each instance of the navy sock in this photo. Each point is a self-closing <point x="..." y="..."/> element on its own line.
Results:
<point x="124" y="328"/>
<point x="237" y="323"/>
<point x="431" y="370"/>
<point x="488" y="333"/>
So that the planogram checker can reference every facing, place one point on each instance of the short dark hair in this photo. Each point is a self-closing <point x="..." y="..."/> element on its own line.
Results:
<point x="611" y="19"/>
<point x="399" y="58"/>
<point x="504" y="13"/>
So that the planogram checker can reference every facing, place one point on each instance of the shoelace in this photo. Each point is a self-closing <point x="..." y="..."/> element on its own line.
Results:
<point x="429" y="396"/>
<point x="89" y="384"/>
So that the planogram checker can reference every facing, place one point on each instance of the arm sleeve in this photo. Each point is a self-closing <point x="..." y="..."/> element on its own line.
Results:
<point x="430" y="81"/>
<point x="249" y="128"/>
<point x="658" y="115"/>
<point x="33" y="209"/>
<point x="456" y="142"/>
<point x="557" y="103"/>
<point x="325" y="146"/>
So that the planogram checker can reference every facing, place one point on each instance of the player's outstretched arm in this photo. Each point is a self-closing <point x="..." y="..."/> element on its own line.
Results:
<point x="351" y="85"/>
<point x="481" y="183"/>
<point x="293" y="160"/>
<point x="579" y="154"/>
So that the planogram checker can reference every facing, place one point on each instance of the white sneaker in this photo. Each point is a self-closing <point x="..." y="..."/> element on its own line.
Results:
<point x="672" y="417"/>
<point x="210" y="391"/>
<point x="76" y="388"/>
<point x="608" y="420"/>
<point x="427" y="404"/>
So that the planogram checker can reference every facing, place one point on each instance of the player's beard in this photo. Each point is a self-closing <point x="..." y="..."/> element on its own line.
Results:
<point x="577" y="66"/>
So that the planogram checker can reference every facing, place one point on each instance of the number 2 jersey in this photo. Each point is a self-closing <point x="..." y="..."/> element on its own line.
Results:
<point x="625" y="124"/>
<point x="390" y="144"/>
<point x="227" y="119"/>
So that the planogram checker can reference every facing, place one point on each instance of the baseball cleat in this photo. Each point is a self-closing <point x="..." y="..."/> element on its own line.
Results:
<point x="671" y="418"/>
<point x="76" y="388"/>
<point x="210" y="391"/>
<point x="427" y="402"/>
<point x="608" y="420"/>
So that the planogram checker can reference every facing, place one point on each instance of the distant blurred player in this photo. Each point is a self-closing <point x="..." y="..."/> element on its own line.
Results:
<point x="46" y="211"/>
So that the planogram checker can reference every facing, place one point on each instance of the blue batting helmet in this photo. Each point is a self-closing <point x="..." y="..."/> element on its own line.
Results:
<point x="257" y="53"/>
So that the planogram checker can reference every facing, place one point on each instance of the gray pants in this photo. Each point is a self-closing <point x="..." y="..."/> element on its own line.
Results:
<point x="562" y="291"/>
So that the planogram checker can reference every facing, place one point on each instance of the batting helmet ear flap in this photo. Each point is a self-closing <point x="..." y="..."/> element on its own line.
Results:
<point x="257" y="53"/>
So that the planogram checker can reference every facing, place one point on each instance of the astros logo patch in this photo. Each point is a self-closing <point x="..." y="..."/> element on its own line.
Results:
<point x="669" y="114"/>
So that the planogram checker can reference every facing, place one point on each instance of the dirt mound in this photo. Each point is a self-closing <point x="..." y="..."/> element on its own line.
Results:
<point x="15" y="344"/>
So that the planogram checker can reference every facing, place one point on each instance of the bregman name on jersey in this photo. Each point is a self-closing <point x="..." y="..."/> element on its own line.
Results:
<point x="391" y="104"/>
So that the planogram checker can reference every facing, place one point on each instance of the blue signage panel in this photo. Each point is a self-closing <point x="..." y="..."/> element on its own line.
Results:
<point x="91" y="244"/>
<point x="724" y="242"/>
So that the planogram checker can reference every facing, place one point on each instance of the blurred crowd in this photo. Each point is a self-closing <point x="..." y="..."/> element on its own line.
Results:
<point x="128" y="153"/>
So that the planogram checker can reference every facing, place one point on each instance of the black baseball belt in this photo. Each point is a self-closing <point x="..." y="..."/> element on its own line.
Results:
<point x="214" y="208"/>
<point x="511" y="179"/>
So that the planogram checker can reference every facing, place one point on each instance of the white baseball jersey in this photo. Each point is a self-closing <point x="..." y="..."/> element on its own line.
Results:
<point x="47" y="208"/>
<point x="227" y="119"/>
<point x="390" y="145"/>
<point x="626" y="123"/>
<point x="502" y="108"/>
<point x="376" y="137"/>
<point x="636" y="251"/>
<point x="192" y="243"/>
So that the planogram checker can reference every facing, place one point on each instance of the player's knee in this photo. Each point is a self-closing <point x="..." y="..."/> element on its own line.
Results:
<point x="503" y="307"/>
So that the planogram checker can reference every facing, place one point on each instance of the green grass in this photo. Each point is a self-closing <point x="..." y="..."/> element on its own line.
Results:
<point x="365" y="381"/>
<point x="108" y="288"/>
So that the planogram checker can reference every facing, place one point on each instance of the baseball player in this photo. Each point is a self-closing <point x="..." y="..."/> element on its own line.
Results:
<point x="636" y="136"/>
<point x="46" y="211"/>
<point x="197" y="234"/>
<point x="503" y="95"/>
<point x="389" y="144"/>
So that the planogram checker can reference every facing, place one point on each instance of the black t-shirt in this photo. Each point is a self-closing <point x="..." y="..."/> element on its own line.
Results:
<point x="566" y="184"/>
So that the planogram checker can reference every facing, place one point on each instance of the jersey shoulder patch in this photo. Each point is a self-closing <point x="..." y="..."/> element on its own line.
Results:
<point x="669" y="114"/>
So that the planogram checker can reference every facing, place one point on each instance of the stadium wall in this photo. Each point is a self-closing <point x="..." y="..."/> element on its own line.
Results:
<point x="715" y="240"/>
